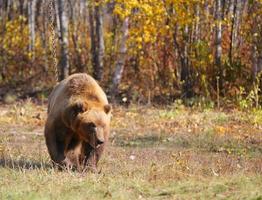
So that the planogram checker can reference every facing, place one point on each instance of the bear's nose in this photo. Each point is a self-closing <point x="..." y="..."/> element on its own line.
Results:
<point x="99" y="142"/>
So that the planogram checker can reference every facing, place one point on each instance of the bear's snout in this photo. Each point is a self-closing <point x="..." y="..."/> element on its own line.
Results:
<point x="93" y="134"/>
<point x="99" y="136"/>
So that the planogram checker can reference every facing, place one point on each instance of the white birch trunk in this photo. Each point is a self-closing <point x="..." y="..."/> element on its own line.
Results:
<point x="63" y="40"/>
<point x="120" y="63"/>
<point x="218" y="38"/>
<point x="31" y="23"/>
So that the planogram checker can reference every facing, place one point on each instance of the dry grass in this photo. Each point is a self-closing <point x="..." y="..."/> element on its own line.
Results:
<point x="155" y="153"/>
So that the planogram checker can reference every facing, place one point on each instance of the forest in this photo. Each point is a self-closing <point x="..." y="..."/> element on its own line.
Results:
<point x="201" y="51"/>
<point x="181" y="116"/>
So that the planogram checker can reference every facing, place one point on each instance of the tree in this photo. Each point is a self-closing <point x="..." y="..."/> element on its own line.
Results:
<point x="63" y="40"/>
<point x="31" y="22"/>
<point x="218" y="41"/>
<point x="97" y="39"/>
<point x="256" y="35"/>
<point x="120" y="63"/>
<point x="174" y="48"/>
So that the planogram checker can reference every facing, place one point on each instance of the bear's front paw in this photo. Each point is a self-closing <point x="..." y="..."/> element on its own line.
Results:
<point x="67" y="164"/>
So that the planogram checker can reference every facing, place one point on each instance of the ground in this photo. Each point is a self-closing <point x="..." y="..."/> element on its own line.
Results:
<point x="170" y="152"/>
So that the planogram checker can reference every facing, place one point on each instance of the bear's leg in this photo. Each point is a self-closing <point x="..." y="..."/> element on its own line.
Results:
<point x="91" y="156"/>
<point x="99" y="152"/>
<point x="55" y="146"/>
<point x="50" y="138"/>
<point x="88" y="157"/>
<point x="62" y="152"/>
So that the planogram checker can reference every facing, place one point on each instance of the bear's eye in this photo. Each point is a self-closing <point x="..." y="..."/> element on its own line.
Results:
<point x="91" y="125"/>
<point x="78" y="108"/>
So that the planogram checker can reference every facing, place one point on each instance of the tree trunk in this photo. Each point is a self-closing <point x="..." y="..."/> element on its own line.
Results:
<point x="236" y="38"/>
<point x="75" y="36"/>
<point x="1" y="8"/>
<point x="21" y="6"/>
<point x="259" y="64"/>
<point x="63" y="40"/>
<point x="97" y="40"/>
<point x="92" y="35"/>
<point x="256" y="30"/>
<point x="82" y="8"/>
<point x="197" y="24"/>
<point x="44" y="24"/>
<point x="31" y="22"/>
<point x="187" y="91"/>
<point x="9" y="9"/>
<point x="98" y="71"/>
<point x="232" y="42"/>
<point x="218" y="41"/>
<point x="120" y="63"/>
<point x="183" y="55"/>
<point x="256" y="64"/>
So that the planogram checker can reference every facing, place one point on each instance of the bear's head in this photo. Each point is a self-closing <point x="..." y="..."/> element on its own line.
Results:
<point x="91" y="124"/>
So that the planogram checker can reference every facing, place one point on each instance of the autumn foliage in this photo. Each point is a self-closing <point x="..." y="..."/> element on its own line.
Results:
<point x="172" y="48"/>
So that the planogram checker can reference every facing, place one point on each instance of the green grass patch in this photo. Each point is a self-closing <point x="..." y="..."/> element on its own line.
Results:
<point x="155" y="153"/>
<point x="50" y="184"/>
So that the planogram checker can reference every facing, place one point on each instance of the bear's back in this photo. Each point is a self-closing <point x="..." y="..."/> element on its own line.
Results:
<point x="77" y="87"/>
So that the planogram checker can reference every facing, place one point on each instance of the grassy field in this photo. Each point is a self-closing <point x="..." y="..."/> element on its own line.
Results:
<point x="154" y="153"/>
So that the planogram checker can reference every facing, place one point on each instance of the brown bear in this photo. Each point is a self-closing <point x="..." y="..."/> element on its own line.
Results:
<point x="78" y="121"/>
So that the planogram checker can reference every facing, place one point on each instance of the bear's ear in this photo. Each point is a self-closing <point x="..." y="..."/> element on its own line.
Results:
<point x="107" y="108"/>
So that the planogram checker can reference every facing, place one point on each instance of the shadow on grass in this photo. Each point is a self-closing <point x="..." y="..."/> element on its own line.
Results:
<point x="207" y="141"/>
<point x="153" y="141"/>
<point x="140" y="141"/>
<point x="23" y="164"/>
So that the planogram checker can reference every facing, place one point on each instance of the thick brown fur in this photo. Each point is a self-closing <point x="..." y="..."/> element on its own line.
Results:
<point x="78" y="122"/>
